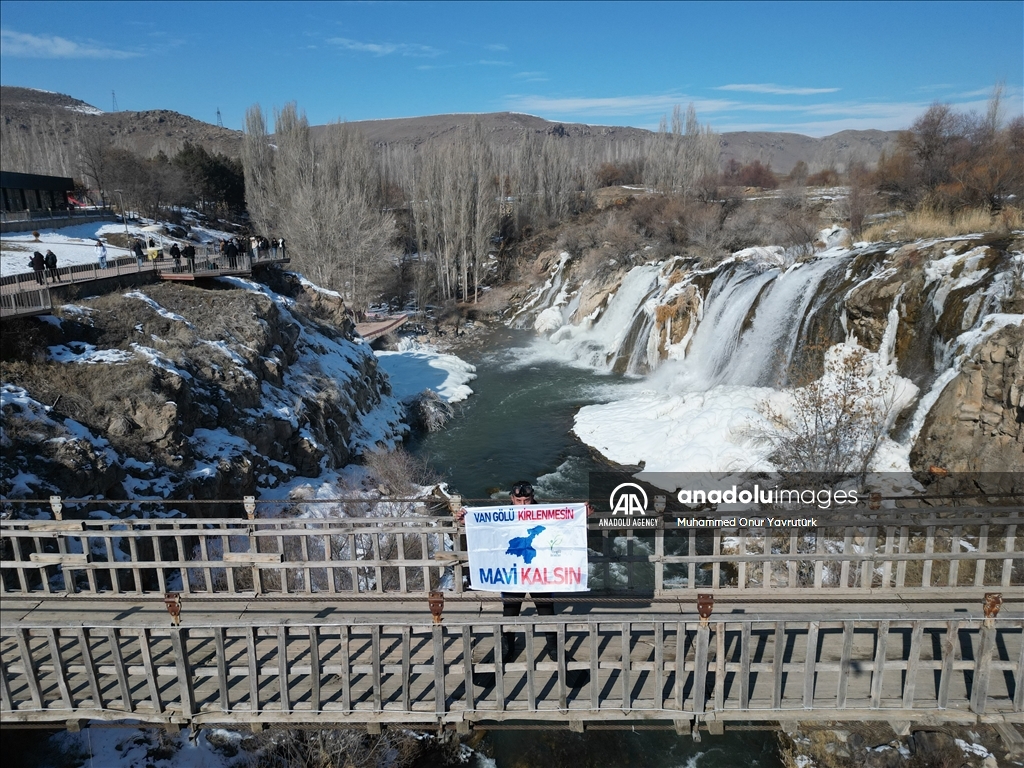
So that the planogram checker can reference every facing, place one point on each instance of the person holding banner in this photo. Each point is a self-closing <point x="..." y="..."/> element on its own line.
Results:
<point x="543" y="546"/>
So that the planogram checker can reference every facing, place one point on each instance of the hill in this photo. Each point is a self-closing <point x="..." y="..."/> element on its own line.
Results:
<point x="39" y="129"/>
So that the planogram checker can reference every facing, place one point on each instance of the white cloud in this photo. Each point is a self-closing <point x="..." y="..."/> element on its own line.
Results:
<point x="781" y="90"/>
<point x="26" y="46"/>
<point x="612" y="105"/>
<point x="385" y="49"/>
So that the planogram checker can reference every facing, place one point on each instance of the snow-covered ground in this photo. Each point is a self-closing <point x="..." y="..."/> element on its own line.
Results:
<point x="414" y="367"/>
<point x="77" y="244"/>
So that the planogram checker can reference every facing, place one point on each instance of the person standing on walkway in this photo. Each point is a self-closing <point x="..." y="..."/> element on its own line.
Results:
<point x="139" y="255"/>
<point x="231" y="251"/>
<point x="51" y="266"/>
<point x="101" y="253"/>
<point x="38" y="264"/>
<point x="522" y="494"/>
<point x="190" y="257"/>
<point x="176" y="255"/>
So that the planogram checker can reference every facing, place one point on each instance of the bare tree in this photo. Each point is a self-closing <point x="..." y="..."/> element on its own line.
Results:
<point x="323" y="197"/>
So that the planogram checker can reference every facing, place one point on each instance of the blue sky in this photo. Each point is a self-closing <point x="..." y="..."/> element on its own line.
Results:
<point x="813" y="68"/>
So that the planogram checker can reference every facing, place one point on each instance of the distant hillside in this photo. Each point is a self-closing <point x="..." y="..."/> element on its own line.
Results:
<point x="782" y="150"/>
<point x="38" y="131"/>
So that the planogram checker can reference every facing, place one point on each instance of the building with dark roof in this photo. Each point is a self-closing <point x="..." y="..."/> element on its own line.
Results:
<point x="31" y="192"/>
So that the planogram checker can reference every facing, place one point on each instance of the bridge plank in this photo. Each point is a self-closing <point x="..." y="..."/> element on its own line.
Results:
<point x="440" y="695"/>
<point x="146" y="651"/>
<point x="982" y="669"/>
<point x="745" y="666"/>
<point x="950" y="651"/>
<point x="810" y="662"/>
<point x="253" y="671"/>
<point x="53" y="643"/>
<point x="700" y="669"/>
<point x="85" y="651"/>
<point x="346" y="668"/>
<point x="282" y="667"/>
<point x="186" y="692"/>
<point x="779" y="649"/>
<point x="624" y="659"/>
<point x="114" y="643"/>
<point x="29" y="667"/>
<point x="913" y="662"/>
<point x="881" y="640"/>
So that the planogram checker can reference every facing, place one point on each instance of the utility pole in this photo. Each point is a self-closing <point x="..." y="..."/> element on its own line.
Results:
<point x="113" y="96"/>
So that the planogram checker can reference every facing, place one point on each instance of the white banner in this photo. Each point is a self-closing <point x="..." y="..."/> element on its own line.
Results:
<point x="535" y="548"/>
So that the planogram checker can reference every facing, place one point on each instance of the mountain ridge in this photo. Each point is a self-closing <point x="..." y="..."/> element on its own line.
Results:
<point x="29" y="118"/>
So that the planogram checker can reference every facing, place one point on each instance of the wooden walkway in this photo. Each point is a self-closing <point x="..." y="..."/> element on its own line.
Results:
<point x="332" y="662"/>
<point x="373" y="330"/>
<point x="22" y="295"/>
<point x="328" y="622"/>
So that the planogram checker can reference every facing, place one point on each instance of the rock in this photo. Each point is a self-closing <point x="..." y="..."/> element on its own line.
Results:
<point x="977" y="423"/>
<point x="931" y="744"/>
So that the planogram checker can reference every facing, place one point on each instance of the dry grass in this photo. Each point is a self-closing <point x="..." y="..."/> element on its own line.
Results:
<point x="928" y="222"/>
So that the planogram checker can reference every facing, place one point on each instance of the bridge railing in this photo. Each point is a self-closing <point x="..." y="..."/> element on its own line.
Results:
<point x="26" y="302"/>
<point x="407" y="669"/>
<point x="956" y="550"/>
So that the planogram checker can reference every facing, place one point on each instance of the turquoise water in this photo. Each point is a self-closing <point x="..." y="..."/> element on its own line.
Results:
<point x="517" y="426"/>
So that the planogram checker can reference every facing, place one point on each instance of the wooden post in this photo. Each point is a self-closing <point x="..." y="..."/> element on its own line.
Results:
<point x="315" y="696"/>
<point x="146" y="650"/>
<point x="346" y="668"/>
<point x="30" y="668"/>
<point x="282" y="666"/>
<point x="881" y="639"/>
<point x="777" y="663"/>
<point x="700" y="669"/>
<point x="222" y="668"/>
<point x="467" y="666"/>
<point x="375" y="667"/>
<point x="983" y="668"/>
<point x="680" y="674"/>
<point x="625" y="661"/>
<point x="113" y="637"/>
<point x="179" y="639"/>
<point x="53" y="640"/>
<point x="810" y="661"/>
<point x="720" y="663"/>
<point x="950" y="650"/>
<point x="439" y="670"/>
<point x="659" y="665"/>
<point x="745" y="666"/>
<point x="910" y="683"/>
<point x="254" y="672"/>
<point x="90" y="668"/>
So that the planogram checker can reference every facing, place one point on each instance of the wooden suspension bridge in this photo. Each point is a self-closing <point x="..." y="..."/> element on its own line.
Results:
<point x="914" y="618"/>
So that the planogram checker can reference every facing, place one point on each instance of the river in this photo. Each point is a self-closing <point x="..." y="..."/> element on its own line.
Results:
<point x="517" y="426"/>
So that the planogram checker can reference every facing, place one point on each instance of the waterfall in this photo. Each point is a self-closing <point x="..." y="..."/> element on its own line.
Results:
<point x="752" y="323"/>
<point x="610" y="342"/>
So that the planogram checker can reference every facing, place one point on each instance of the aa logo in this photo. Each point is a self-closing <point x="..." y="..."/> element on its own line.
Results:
<point x="628" y="499"/>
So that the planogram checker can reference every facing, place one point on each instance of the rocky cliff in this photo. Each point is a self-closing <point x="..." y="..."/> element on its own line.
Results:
<point x="946" y="316"/>
<point x="181" y="392"/>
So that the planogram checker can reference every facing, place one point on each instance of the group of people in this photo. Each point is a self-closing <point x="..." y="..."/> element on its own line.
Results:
<point x="45" y="265"/>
